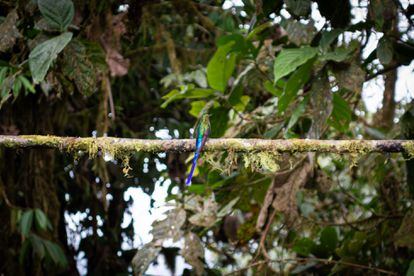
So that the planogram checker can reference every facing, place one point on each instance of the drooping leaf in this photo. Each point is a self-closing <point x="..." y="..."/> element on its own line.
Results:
<point x="144" y="257"/>
<point x="385" y="50"/>
<point x="42" y="56"/>
<point x="41" y="219"/>
<point x="26" y="223"/>
<point x="55" y="253"/>
<point x="193" y="252"/>
<point x="170" y="227"/>
<point x="221" y="67"/>
<point x="38" y="245"/>
<point x="27" y="84"/>
<point x="228" y="208"/>
<point x="290" y="59"/>
<point x="58" y="13"/>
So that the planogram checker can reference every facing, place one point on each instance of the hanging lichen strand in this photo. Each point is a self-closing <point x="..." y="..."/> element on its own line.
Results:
<point x="118" y="147"/>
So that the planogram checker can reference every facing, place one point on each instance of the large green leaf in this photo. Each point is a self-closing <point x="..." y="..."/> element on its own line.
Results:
<point x="290" y="59"/>
<point x="295" y="82"/>
<point x="58" y="13"/>
<point x="42" y="56"/>
<point x="221" y="67"/>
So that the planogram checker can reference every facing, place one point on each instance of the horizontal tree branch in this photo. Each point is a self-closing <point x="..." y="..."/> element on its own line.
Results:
<point x="126" y="145"/>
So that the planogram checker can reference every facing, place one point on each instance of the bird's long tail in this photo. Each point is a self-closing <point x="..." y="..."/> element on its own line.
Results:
<point x="190" y="176"/>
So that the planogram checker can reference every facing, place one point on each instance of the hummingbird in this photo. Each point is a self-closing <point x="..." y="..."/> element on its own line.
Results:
<point x="202" y="132"/>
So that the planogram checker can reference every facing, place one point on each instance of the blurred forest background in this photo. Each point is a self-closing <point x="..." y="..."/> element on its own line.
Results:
<point x="264" y="69"/>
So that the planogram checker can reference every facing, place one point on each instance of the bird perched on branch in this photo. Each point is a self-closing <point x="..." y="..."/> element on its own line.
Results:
<point x="202" y="132"/>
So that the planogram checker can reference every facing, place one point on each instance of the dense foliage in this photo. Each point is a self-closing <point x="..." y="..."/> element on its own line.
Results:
<point x="265" y="69"/>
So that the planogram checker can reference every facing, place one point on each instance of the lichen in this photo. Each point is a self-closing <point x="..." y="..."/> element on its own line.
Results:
<point x="262" y="161"/>
<point x="409" y="148"/>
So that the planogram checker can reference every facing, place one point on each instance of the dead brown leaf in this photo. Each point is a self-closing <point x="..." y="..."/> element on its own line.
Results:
<point x="9" y="32"/>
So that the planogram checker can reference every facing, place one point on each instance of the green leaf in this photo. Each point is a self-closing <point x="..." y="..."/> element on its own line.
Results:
<point x="268" y="85"/>
<point x="290" y="59"/>
<point x="385" y="51"/>
<point x="221" y="67"/>
<point x="3" y="73"/>
<point x="300" y="109"/>
<point x="26" y="222"/>
<point x="24" y="250"/>
<point x="218" y="118"/>
<point x="298" y="7"/>
<point x="304" y="246"/>
<point x="328" y="37"/>
<point x="410" y="270"/>
<point x="42" y="56"/>
<point x="258" y="30"/>
<point x="340" y="53"/>
<point x="296" y="81"/>
<point x="56" y="253"/>
<point x="38" y="245"/>
<point x="17" y="86"/>
<point x="329" y="239"/>
<point x="228" y="208"/>
<point x="237" y="100"/>
<point x="41" y="219"/>
<point x="58" y="13"/>
<point x="341" y="113"/>
<point x="196" y="108"/>
<point x="186" y="92"/>
<point x="27" y="84"/>
<point x="197" y="188"/>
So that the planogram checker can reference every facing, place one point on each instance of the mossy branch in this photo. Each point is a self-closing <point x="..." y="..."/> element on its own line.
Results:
<point x="125" y="145"/>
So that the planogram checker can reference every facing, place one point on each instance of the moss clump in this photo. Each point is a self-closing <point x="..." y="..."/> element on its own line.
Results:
<point x="409" y="148"/>
<point x="262" y="161"/>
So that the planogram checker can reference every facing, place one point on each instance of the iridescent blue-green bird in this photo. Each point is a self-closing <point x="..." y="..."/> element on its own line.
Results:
<point x="202" y="132"/>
